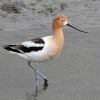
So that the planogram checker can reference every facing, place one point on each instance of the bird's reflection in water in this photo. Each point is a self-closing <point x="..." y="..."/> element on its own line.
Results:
<point x="34" y="94"/>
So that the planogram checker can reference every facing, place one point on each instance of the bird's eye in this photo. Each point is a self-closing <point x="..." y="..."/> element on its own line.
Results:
<point x="62" y="20"/>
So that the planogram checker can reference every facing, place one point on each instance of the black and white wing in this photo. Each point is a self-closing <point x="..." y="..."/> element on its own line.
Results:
<point x="34" y="45"/>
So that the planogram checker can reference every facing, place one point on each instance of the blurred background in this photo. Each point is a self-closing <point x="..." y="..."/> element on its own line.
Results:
<point x="19" y="14"/>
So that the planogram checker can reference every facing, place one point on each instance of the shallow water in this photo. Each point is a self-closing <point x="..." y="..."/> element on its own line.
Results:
<point x="75" y="75"/>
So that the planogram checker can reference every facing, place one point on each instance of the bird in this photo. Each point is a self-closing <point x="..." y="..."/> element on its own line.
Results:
<point x="42" y="49"/>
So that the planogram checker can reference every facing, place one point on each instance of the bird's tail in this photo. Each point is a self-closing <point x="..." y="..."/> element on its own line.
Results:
<point x="11" y="48"/>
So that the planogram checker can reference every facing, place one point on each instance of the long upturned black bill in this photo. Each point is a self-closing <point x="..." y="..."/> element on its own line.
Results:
<point x="76" y="28"/>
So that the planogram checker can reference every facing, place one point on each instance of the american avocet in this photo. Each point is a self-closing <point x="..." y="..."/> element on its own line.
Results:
<point x="42" y="48"/>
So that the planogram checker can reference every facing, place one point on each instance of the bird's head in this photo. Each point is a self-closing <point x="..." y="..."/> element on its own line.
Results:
<point x="61" y="20"/>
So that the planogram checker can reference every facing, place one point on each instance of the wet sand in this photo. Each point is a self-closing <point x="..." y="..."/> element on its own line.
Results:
<point x="74" y="75"/>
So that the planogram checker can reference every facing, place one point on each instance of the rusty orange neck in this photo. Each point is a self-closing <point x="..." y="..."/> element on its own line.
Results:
<point x="58" y="34"/>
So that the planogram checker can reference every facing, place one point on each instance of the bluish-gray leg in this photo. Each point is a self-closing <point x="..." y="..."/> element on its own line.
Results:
<point x="36" y="78"/>
<point x="38" y="73"/>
